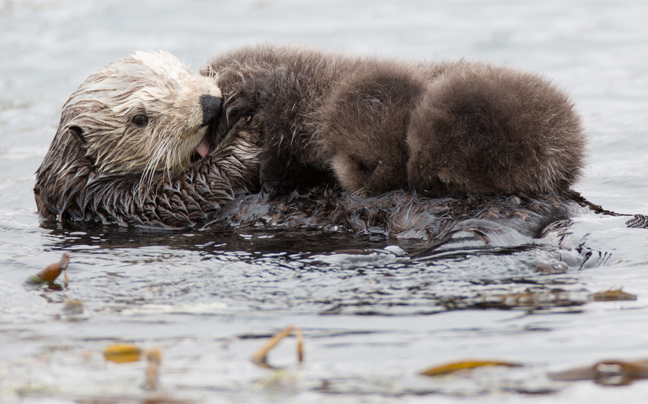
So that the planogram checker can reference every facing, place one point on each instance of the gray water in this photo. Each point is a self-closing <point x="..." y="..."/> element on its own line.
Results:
<point x="372" y="317"/>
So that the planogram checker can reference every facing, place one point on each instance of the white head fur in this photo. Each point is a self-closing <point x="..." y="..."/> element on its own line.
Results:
<point x="153" y="85"/>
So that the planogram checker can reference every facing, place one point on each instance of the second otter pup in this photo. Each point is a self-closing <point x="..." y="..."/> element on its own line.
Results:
<point x="375" y="125"/>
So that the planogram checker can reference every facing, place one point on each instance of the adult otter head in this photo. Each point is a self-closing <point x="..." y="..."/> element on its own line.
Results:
<point x="140" y="115"/>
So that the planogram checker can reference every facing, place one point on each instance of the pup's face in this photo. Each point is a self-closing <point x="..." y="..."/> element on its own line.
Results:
<point x="142" y="114"/>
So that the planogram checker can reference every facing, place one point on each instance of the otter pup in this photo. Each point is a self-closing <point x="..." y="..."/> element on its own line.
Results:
<point x="375" y="125"/>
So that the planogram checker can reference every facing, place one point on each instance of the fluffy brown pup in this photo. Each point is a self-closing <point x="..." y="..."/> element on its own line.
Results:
<point x="374" y="125"/>
<point x="490" y="130"/>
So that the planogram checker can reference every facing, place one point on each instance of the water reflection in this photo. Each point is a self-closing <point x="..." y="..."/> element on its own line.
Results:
<point x="307" y="272"/>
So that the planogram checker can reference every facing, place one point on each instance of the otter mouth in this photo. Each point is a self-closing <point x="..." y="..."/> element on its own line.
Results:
<point x="211" y="108"/>
<point x="204" y="146"/>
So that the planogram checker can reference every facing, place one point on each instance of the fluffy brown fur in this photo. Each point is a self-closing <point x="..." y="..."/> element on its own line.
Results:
<point x="375" y="125"/>
<point x="69" y="186"/>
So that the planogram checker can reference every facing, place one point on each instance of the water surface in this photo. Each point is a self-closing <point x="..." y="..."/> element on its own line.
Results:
<point x="373" y="317"/>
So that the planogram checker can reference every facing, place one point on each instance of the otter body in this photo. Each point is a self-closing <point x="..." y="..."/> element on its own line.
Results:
<point x="146" y="142"/>
<point x="376" y="125"/>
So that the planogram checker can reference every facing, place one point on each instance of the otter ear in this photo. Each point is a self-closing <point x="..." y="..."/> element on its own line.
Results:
<point x="78" y="134"/>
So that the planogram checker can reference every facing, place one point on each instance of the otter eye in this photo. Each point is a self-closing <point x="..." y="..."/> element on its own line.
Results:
<point x="140" y="121"/>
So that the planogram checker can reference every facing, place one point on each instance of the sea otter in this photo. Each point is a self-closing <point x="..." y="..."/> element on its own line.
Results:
<point x="125" y="144"/>
<point x="145" y="141"/>
<point x="374" y="125"/>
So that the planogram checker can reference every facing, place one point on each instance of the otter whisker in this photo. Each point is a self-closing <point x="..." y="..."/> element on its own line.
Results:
<point x="156" y="157"/>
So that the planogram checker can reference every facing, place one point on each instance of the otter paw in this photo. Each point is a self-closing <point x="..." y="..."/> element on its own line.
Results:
<point x="248" y="129"/>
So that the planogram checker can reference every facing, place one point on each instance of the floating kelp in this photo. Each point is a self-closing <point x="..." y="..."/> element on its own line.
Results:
<point x="125" y="353"/>
<point x="452" y="367"/>
<point x="122" y="353"/>
<point x="49" y="274"/>
<point x="72" y="310"/>
<point x="260" y="357"/>
<point x="533" y="299"/>
<point x="536" y="298"/>
<point x="612" y="295"/>
<point x="608" y="372"/>
<point x="154" y="358"/>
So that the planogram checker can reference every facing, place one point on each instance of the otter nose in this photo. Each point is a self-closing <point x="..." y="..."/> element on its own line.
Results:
<point x="211" y="107"/>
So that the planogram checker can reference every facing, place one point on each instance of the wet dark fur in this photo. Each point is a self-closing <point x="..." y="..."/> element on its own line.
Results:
<point x="398" y="213"/>
<point x="377" y="125"/>
<point x="69" y="187"/>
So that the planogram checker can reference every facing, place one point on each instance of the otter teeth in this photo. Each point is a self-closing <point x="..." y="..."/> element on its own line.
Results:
<point x="203" y="147"/>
